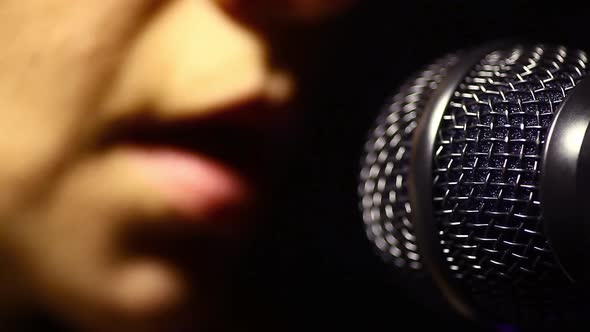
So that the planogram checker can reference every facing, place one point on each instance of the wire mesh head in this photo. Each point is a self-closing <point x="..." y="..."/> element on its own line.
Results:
<point x="485" y="181"/>
<point x="383" y="187"/>
<point x="486" y="178"/>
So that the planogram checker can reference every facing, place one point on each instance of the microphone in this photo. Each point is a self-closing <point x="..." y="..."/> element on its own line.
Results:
<point x="474" y="178"/>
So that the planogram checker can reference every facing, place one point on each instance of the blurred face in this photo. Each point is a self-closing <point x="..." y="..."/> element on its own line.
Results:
<point x="112" y="116"/>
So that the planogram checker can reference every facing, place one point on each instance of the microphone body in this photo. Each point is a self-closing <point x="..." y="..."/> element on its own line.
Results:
<point x="474" y="178"/>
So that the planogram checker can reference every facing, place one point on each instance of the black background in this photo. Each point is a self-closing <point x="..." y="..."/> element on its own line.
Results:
<point x="312" y="267"/>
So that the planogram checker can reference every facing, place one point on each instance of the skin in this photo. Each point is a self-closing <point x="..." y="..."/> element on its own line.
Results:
<point x="71" y="71"/>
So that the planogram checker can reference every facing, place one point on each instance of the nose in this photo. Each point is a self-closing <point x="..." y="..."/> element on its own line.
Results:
<point x="190" y="60"/>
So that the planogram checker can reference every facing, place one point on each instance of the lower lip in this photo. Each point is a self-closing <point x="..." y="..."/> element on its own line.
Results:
<point x="194" y="185"/>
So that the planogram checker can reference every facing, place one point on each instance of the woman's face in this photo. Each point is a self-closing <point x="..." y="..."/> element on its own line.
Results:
<point x="83" y="87"/>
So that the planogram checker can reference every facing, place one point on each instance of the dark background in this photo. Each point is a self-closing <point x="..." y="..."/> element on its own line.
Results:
<point x="312" y="267"/>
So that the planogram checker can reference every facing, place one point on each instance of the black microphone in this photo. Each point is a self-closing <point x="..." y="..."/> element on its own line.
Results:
<point x="475" y="178"/>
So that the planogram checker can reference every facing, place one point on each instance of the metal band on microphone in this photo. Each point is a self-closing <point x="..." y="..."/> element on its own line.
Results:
<point x="420" y="179"/>
<point x="565" y="184"/>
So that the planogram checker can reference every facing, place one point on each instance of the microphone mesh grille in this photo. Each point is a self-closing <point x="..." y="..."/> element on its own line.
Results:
<point x="383" y="185"/>
<point x="486" y="169"/>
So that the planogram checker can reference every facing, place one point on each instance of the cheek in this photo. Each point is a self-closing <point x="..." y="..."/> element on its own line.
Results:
<point x="56" y="59"/>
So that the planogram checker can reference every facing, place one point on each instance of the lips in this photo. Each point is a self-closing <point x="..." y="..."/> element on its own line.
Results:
<point x="206" y="166"/>
<point x="195" y="186"/>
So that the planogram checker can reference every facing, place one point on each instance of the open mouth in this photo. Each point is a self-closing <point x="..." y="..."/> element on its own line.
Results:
<point x="207" y="164"/>
<point x="243" y="141"/>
